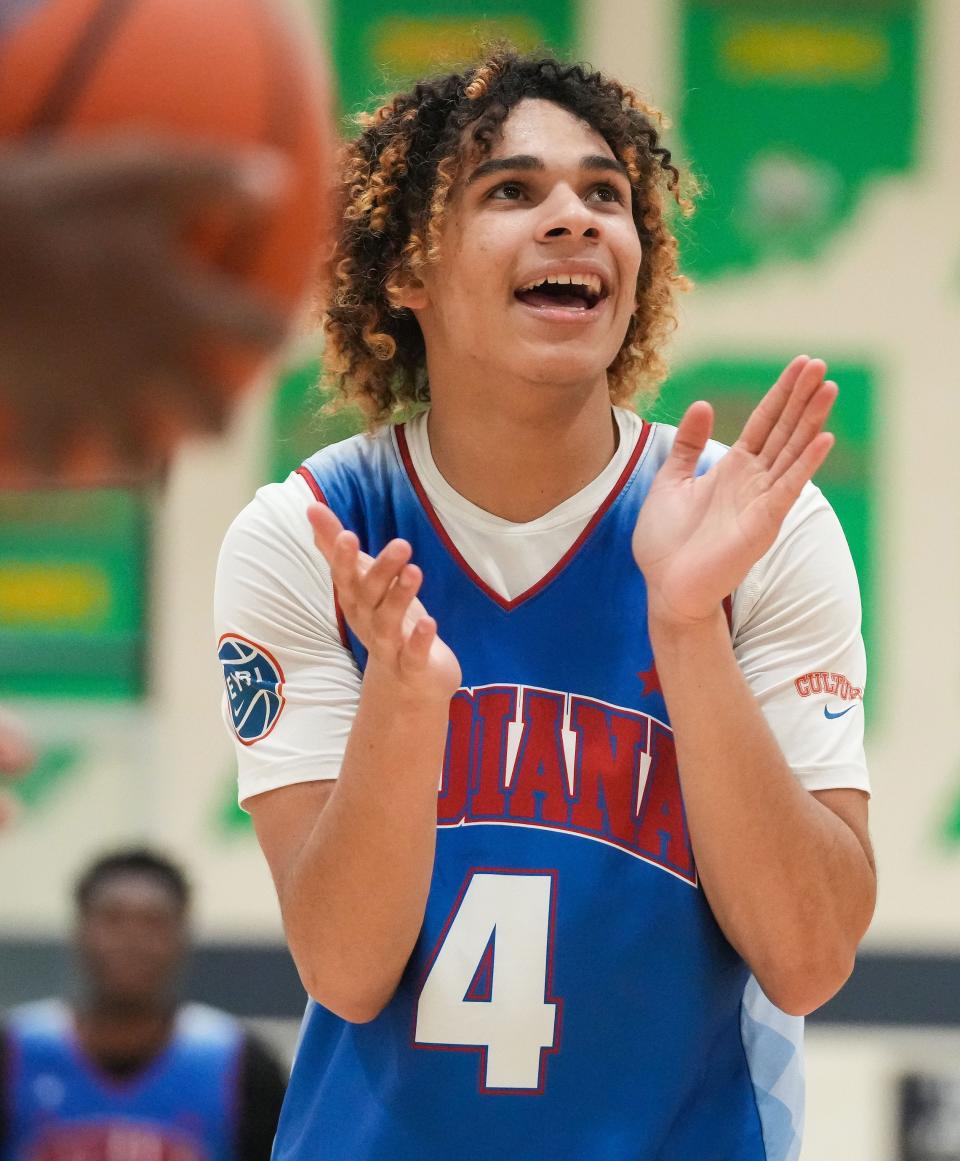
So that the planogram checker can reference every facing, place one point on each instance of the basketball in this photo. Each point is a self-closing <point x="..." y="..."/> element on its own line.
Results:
<point x="237" y="74"/>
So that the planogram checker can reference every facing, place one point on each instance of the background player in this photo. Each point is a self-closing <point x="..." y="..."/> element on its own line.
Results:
<point x="505" y="254"/>
<point x="126" y="1071"/>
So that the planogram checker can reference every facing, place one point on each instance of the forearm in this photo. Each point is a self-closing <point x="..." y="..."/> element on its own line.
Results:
<point x="790" y="883"/>
<point x="353" y="900"/>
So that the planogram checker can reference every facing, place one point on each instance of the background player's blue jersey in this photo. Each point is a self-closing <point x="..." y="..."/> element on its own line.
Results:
<point x="570" y="995"/>
<point x="180" y="1107"/>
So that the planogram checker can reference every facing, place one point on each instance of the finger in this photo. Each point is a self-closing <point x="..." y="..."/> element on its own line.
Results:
<point x="416" y="648"/>
<point x="389" y="615"/>
<point x="808" y="383"/>
<point x="345" y="569"/>
<point x="783" y="494"/>
<point x="692" y="435"/>
<point x="326" y="528"/>
<point x="808" y="426"/>
<point x="764" y="416"/>
<point x="385" y="569"/>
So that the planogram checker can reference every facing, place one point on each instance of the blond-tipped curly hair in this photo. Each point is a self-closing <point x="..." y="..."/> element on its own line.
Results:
<point x="396" y="182"/>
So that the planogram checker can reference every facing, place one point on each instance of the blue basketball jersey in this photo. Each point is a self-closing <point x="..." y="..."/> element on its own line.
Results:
<point x="181" y="1107"/>
<point x="570" y="994"/>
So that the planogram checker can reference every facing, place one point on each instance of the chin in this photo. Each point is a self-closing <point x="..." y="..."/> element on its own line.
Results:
<point x="561" y="368"/>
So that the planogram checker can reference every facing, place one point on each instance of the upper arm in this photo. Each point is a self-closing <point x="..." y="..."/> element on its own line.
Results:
<point x="851" y="807"/>
<point x="292" y="686"/>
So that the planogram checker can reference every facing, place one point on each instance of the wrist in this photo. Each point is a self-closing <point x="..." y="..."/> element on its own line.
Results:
<point x="667" y="629"/>
<point x="413" y="699"/>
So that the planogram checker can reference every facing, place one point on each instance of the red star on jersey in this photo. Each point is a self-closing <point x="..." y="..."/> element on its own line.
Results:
<point x="651" y="680"/>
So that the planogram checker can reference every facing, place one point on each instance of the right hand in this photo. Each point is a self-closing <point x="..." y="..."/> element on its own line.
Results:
<point x="378" y="597"/>
<point x="102" y="308"/>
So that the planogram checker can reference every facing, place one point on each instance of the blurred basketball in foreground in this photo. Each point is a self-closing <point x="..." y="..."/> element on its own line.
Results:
<point x="237" y="75"/>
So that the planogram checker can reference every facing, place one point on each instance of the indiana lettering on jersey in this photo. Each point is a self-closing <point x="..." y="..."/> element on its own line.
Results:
<point x="536" y="757"/>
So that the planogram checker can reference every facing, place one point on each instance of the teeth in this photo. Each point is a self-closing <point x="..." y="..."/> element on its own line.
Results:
<point x="592" y="282"/>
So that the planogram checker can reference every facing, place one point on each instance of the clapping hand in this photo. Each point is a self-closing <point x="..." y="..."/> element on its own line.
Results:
<point x="378" y="597"/>
<point x="698" y="536"/>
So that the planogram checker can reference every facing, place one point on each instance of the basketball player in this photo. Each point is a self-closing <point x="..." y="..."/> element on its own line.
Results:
<point x="649" y="855"/>
<point x="94" y="313"/>
<point x="125" y="1072"/>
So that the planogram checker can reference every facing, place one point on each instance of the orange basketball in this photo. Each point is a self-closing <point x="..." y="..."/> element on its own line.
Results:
<point x="242" y="73"/>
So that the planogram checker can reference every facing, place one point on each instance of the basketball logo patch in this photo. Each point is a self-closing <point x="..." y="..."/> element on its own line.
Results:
<point x="254" y="682"/>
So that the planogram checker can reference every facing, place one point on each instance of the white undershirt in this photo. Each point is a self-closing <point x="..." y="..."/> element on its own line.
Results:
<point x="510" y="557"/>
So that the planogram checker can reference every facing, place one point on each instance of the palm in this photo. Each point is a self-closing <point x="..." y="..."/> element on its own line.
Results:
<point x="378" y="597"/>
<point x="442" y="666"/>
<point x="698" y="536"/>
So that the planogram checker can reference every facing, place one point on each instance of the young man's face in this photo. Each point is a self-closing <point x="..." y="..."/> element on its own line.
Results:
<point x="132" y="937"/>
<point x="537" y="274"/>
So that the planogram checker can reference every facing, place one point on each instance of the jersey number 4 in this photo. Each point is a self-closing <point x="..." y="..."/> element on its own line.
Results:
<point x="487" y="989"/>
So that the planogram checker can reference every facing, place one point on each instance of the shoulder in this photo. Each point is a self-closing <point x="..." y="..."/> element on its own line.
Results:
<point x="805" y="587"/>
<point x="810" y="544"/>
<point x="202" y="1025"/>
<point x="275" y="510"/>
<point x="268" y="556"/>
<point x="39" y="1020"/>
<point x="357" y="461"/>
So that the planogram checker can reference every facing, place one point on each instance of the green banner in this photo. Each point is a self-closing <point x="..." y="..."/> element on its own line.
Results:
<point x="847" y="478"/>
<point x="72" y="593"/>
<point x="381" y="45"/>
<point x="790" y="110"/>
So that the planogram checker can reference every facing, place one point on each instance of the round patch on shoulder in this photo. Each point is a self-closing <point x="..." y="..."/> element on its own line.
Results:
<point x="254" y="683"/>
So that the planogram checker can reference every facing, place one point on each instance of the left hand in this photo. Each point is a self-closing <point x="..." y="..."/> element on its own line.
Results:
<point x="698" y="536"/>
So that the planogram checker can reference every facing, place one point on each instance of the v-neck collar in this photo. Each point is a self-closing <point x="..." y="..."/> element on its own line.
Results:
<point x="509" y="604"/>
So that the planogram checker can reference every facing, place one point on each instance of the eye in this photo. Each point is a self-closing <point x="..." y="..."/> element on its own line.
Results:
<point x="510" y="191"/>
<point x="607" y="193"/>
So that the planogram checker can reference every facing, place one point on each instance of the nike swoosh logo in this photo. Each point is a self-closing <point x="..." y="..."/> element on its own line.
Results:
<point x="828" y="714"/>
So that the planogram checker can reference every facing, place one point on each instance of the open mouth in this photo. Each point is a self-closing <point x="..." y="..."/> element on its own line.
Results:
<point x="580" y="292"/>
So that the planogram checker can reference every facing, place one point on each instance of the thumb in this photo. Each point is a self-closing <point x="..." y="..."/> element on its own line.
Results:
<point x="692" y="435"/>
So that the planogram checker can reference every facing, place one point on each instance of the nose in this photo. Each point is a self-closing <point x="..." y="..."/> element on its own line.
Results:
<point x="565" y="215"/>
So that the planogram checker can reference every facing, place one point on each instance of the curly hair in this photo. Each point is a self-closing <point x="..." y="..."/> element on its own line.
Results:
<point x="396" y="182"/>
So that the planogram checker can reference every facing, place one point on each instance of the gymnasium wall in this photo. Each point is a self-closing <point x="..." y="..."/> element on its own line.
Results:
<point x="825" y="136"/>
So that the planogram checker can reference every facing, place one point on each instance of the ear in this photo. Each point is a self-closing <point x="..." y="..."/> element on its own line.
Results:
<point x="407" y="292"/>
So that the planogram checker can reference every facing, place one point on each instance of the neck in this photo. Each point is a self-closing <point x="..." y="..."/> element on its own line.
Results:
<point x="109" y="1028"/>
<point x="519" y="454"/>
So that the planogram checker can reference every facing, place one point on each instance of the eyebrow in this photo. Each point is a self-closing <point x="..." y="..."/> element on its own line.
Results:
<point x="595" y="162"/>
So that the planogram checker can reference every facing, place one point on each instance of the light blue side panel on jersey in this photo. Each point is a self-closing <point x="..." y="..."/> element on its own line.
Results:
<point x="773" y="1042"/>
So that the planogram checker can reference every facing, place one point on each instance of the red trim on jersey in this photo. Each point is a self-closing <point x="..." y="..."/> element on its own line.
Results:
<point x="314" y="487"/>
<point x="510" y="605"/>
<point x="312" y="484"/>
